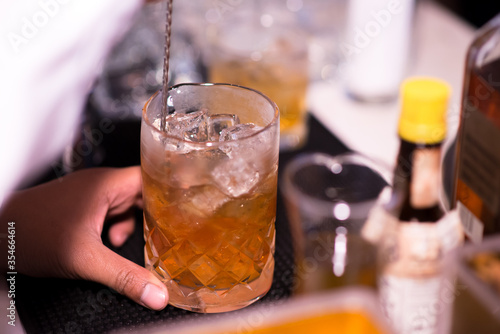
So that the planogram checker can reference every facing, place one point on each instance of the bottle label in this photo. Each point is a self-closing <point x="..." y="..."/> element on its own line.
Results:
<point x="410" y="304"/>
<point x="379" y="221"/>
<point x="425" y="177"/>
<point x="480" y="159"/>
<point x="411" y="280"/>
<point x="478" y="184"/>
<point x="473" y="228"/>
<point x="416" y="250"/>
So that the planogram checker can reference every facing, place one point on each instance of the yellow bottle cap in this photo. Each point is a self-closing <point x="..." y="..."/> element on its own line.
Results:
<point x="423" y="110"/>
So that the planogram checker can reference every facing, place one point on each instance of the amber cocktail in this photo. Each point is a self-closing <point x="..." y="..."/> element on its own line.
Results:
<point x="209" y="188"/>
<point x="272" y="60"/>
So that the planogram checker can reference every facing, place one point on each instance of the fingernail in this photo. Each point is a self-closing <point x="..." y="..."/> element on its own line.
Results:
<point x="154" y="297"/>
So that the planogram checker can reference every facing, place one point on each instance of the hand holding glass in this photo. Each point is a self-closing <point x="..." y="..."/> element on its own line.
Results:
<point x="209" y="189"/>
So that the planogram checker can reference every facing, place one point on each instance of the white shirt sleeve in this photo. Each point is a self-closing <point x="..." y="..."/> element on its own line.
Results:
<point x="50" y="53"/>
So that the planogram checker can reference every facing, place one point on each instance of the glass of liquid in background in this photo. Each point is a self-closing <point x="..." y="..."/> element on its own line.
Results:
<point x="270" y="55"/>
<point x="328" y="200"/>
<point x="209" y="189"/>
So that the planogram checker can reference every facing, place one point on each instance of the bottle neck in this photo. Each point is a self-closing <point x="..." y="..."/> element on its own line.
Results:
<point x="416" y="183"/>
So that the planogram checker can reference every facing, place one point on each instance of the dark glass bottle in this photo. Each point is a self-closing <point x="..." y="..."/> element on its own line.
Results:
<point x="412" y="246"/>
<point x="411" y="208"/>
<point x="422" y="129"/>
<point x="477" y="177"/>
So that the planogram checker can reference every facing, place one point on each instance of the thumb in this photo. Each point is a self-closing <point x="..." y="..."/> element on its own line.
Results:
<point x="126" y="277"/>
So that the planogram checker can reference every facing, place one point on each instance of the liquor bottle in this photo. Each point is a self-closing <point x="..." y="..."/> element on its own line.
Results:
<point x="477" y="178"/>
<point x="422" y="129"/>
<point x="418" y="232"/>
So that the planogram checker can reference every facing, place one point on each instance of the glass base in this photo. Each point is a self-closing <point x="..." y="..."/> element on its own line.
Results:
<point x="208" y="300"/>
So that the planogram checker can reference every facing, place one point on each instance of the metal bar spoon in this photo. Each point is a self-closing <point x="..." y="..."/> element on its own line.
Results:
<point x="168" y="32"/>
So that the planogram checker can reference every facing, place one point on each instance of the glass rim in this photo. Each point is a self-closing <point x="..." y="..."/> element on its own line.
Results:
<point x="321" y="206"/>
<point x="271" y="123"/>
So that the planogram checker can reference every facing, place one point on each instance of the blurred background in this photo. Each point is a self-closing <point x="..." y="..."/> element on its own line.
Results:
<point x="133" y="72"/>
<point x="476" y="12"/>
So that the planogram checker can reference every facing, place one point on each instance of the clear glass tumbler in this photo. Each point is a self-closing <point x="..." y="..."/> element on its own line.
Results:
<point x="209" y="189"/>
<point x="272" y="59"/>
<point x="328" y="200"/>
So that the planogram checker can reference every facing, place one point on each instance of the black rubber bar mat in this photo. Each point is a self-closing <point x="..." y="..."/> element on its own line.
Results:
<point x="51" y="305"/>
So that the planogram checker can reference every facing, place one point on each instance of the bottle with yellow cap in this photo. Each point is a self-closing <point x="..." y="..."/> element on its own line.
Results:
<point x="422" y="129"/>
<point x="417" y="232"/>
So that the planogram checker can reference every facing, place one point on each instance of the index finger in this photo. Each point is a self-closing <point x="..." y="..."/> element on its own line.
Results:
<point x="123" y="190"/>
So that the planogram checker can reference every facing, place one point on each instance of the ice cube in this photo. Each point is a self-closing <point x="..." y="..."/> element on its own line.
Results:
<point x="192" y="168"/>
<point x="190" y="126"/>
<point x="185" y="174"/>
<point x="235" y="177"/>
<point x="157" y="125"/>
<point x="239" y="131"/>
<point x="251" y="146"/>
<point x="207" y="155"/>
<point x="168" y="143"/>
<point x="204" y="201"/>
<point x="218" y="122"/>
